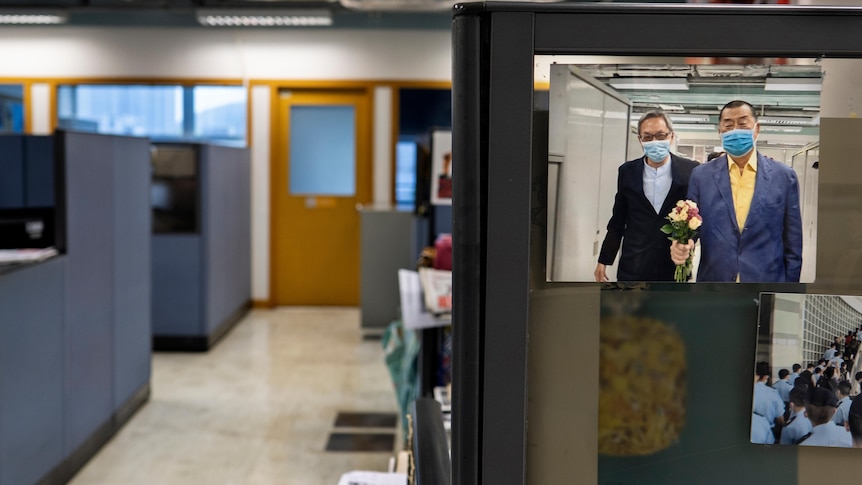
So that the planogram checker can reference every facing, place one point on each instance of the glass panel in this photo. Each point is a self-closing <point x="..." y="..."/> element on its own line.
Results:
<point x="405" y="173"/>
<point x="200" y="113"/>
<point x="220" y="113"/>
<point x="322" y="150"/>
<point x="11" y="108"/>
<point x="123" y="110"/>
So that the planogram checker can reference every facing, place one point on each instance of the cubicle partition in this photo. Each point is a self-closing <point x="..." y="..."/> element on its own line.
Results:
<point x="201" y="243"/>
<point x="75" y="331"/>
<point x="527" y="353"/>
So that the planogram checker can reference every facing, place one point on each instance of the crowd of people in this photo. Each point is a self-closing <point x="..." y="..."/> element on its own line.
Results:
<point x="814" y="406"/>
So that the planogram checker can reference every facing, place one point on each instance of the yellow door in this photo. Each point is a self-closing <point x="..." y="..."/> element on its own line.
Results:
<point x="321" y="173"/>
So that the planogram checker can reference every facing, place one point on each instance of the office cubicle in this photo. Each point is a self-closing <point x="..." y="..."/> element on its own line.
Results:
<point x="201" y="206"/>
<point x="526" y="383"/>
<point x="75" y="333"/>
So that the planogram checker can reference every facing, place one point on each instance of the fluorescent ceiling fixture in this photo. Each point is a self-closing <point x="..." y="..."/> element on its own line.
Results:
<point x="265" y="18"/>
<point x="689" y="118"/>
<point x="33" y="18"/>
<point x="694" y="128"/>
<point x="781" y="129"/>
<point x="671" y="107"/>
<point x="792" y="84"/>
<point x="654" y="84"/>
<point x="786" y="120"/>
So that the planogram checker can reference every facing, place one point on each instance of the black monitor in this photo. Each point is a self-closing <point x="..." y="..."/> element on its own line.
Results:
<point x="500" y="193"/>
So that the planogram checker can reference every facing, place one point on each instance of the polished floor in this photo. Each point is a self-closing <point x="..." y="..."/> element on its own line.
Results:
<point x="257" y="409"/>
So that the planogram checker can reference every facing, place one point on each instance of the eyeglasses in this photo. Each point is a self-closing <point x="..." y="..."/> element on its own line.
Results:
<point x="658" y="136"/>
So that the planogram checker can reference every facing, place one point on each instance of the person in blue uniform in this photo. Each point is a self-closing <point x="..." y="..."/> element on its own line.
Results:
<point x="798" y="425"/>
<point x="844" y="402"/>
<point x="766" y="402"/>
<point x="820" y="410"/>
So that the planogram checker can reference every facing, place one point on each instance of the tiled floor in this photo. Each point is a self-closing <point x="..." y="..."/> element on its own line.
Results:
<point x="257" y="409"/>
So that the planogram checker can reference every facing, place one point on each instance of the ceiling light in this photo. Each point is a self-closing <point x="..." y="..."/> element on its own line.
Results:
<point x="792" y="84"/>
<point x="689" y="118"/>
<point x="652" y="84"/>
<point x="33" y="18"/>
<point x="694" y="128"/>
<point x="671" y="107"/>
<point x="264" y="18"/>
<point x="403" y="5"/>
<point x="787" y="120"/>
<point x="781" y="129"/>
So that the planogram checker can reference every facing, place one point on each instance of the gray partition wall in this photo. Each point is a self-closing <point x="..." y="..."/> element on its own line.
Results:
<point x="75" y="330"/>
<point x="386" y="245"/>
<point x="226" y="230"/>
<point x="498" y="201"/>
<point x="107" y="354"/>
<point x="202" y="274"/>
<point x="31" y="372"/>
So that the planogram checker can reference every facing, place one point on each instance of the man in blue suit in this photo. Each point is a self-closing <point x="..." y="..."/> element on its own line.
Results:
<point x="647" y="188"/>
<point x="752" y="226"/>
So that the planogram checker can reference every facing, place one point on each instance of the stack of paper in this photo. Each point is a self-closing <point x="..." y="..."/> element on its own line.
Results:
<point x="8" y="256"/>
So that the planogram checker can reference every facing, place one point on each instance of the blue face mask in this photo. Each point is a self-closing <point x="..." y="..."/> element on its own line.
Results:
<point x="737" y="142"/>
<point x="657" y="150"/>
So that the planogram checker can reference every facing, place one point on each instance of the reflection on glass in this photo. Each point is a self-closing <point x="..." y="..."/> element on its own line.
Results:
<point x="594" y="113"/>
<point x="122" y="110"/>
<point x="807" y="371"/>
<point x="166" y="112"/>
<point x="11" y="108"/>
<point x="406" y="158"/>
<point x="220" y="112"/>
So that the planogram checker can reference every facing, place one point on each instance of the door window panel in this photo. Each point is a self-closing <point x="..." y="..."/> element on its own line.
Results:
<point x="318" y="165"/>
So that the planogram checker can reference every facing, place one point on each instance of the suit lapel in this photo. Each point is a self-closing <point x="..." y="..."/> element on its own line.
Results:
<point x="761" y="186"/>
<point x="722" y="180"/>
<point x="639" y="182"/>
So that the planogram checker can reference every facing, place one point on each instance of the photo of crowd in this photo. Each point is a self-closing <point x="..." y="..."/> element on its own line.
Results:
<point x="814" y="405"/>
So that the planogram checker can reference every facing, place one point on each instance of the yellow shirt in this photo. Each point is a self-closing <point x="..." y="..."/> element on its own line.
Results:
<point x="742" y="186"/>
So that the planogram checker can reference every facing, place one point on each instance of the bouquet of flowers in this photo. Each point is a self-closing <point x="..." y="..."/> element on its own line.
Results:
<point x="684" y="220"/>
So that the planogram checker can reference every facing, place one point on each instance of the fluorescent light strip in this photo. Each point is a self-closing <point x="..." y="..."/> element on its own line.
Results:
<point x="650" y="84"/>
<point x="766" y="120"/>
<point x="239" y="19"/>
<point x="684" y="127"/>
<point x="32" y="19"/>
<point x="689" y="118"/>
<point x="792" y="84"/>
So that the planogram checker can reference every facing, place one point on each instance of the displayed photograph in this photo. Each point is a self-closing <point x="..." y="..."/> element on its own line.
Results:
<point x="683" y="172"/>
<point x="675" y="385"/>
<point x="807" y="371"/>
<point x="441" y="167"/>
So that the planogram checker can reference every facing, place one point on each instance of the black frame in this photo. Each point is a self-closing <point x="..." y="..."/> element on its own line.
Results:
<point x="494" y="45"/>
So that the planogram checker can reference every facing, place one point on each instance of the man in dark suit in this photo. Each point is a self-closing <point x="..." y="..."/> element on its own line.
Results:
<point x="752" y="225"/>
<point x="647" y="188"/>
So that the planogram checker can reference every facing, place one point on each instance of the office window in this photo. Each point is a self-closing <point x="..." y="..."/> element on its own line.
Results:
<point x="406" y="157"/>
<point x="220" y="113"/>
<point x="162" y="112"/>
<point x="11" y="108"/>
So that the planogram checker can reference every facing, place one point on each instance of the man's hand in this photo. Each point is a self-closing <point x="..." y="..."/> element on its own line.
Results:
<point x="600" y="274"/>
<point x="680" y="252"/>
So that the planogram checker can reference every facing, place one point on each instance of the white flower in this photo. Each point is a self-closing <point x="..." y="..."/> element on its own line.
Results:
<point x="694" y="223"/>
